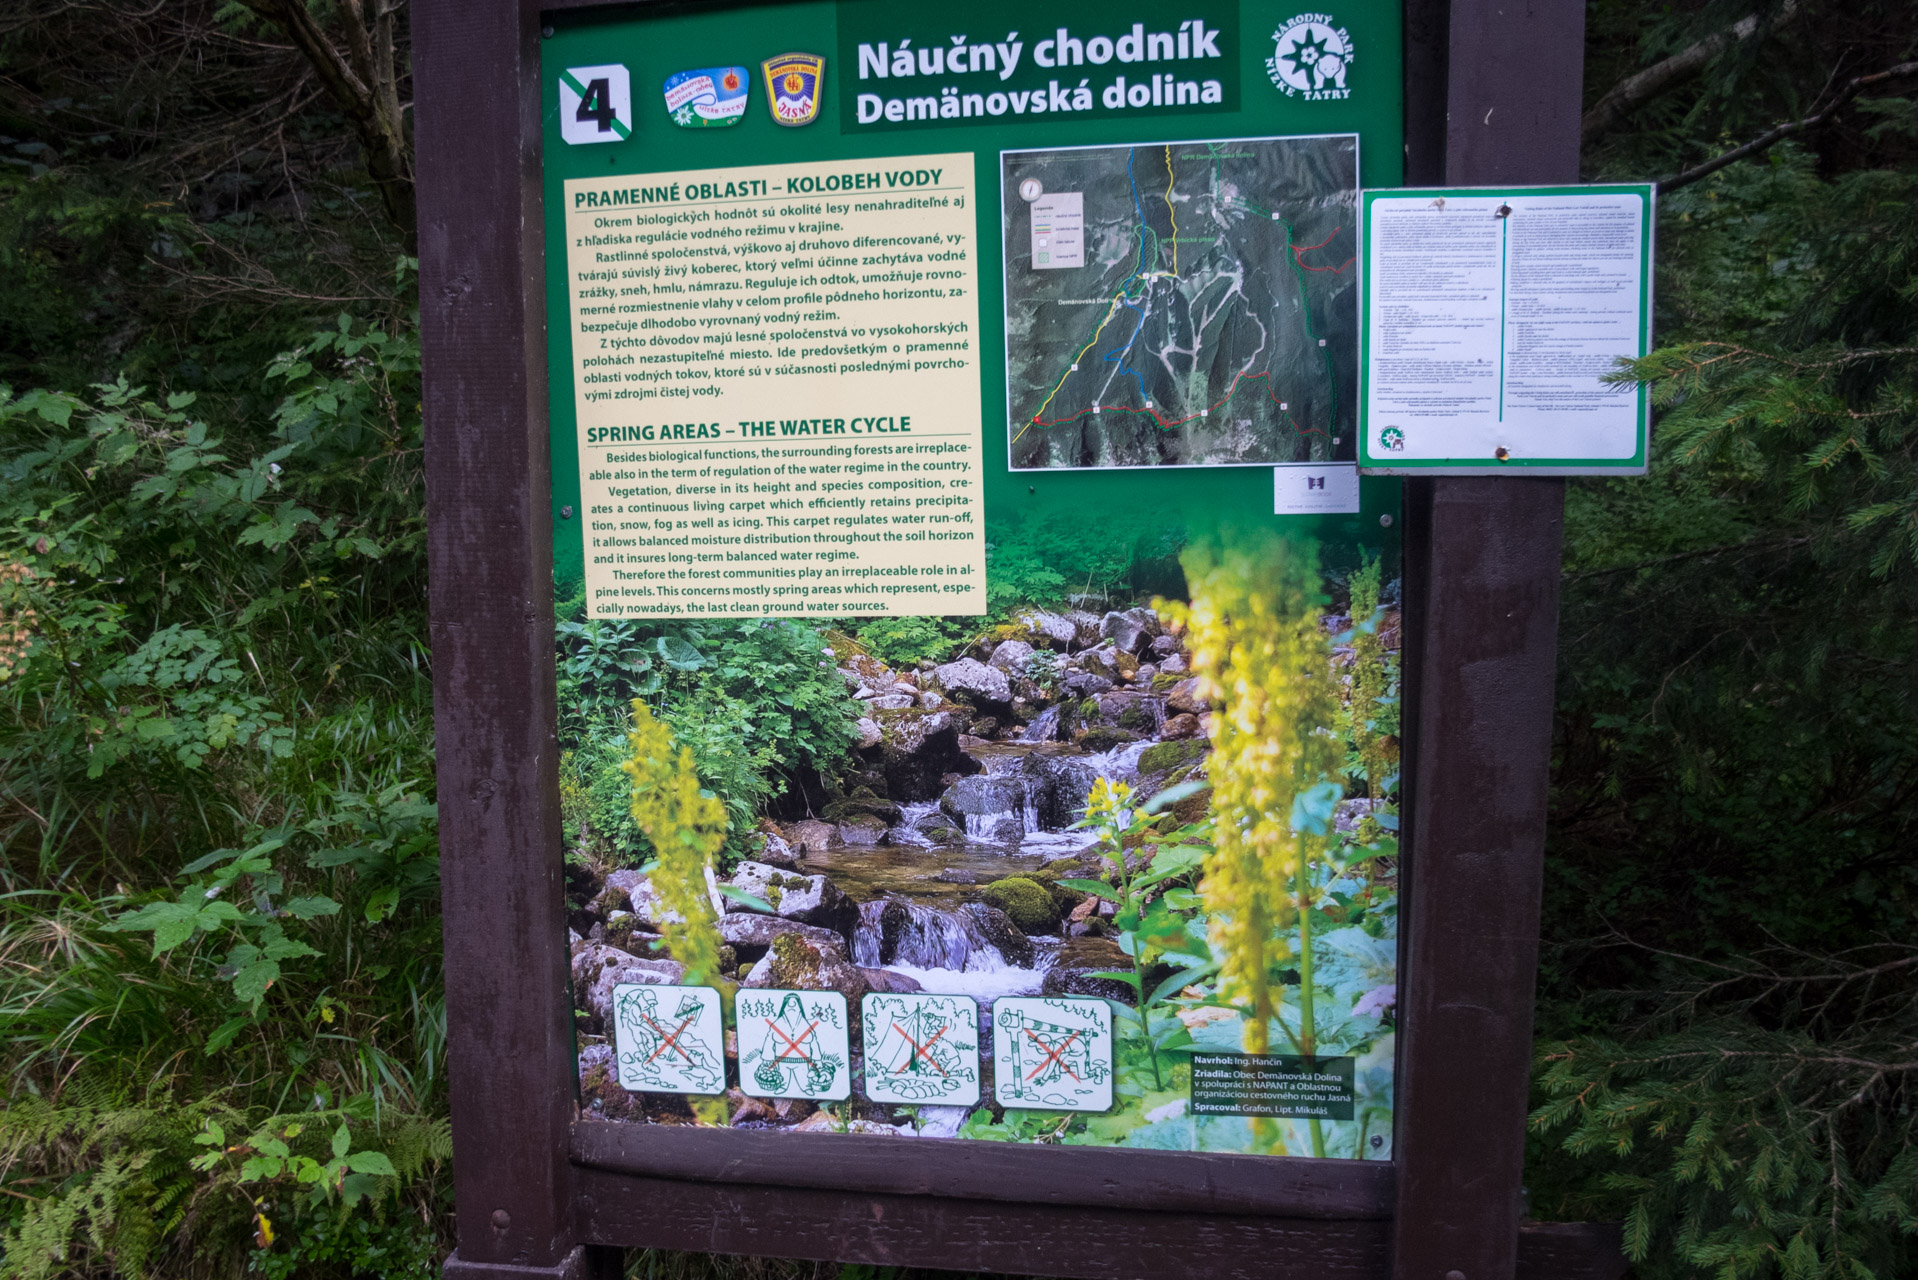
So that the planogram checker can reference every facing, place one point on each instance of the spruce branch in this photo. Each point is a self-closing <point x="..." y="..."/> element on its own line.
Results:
<point x="1765" y="141"/>
<point x="1639" y="88"/>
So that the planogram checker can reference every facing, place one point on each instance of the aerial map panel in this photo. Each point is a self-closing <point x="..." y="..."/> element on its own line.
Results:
<point x="1210" y="314"/>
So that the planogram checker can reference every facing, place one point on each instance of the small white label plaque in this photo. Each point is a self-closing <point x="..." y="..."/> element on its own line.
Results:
<point x="1316" y="489"/>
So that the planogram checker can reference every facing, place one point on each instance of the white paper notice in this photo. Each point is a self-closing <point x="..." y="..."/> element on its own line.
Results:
<point x="1492" y="320"/>
<point x="1059" y="230"/>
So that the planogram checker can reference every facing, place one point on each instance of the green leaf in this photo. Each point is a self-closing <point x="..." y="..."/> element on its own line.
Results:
<point x="371" y="1162"/>
<point x="341" y="1141"/>
<point x="310" y="908"/>
<point x="224" y="1033"/>
<point x="746" y="899"/>
<point x="1172" y="795"/>
<point x="1097" y="888"/>
<point x="251" y="982"/>
<point x="1313" y="808"/>
<point x="257" y="1167"/>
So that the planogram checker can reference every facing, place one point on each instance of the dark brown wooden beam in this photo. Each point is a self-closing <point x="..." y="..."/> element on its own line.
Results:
<point x="1482" y="626"/>
<point x="975" y="1235"/>
<point x="1165" y="1181"/>
<point x="1031" y="1239"/>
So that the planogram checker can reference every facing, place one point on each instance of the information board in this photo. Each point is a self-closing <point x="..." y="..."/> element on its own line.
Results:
<point x="940" y="405"/>
<point x="1492" y="318"/>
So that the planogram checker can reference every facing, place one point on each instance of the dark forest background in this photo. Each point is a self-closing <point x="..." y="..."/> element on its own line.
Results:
<point x="215" y="722"/>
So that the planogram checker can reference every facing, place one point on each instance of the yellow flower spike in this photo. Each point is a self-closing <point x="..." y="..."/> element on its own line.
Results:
<point x="687" y="829"/>
<point x="1259" y="655"/>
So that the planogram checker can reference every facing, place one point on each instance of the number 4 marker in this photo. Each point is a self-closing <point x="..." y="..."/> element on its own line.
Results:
<point x="595" y="104"/>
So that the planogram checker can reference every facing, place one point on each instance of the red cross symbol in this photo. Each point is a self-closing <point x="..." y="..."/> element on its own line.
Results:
<point x="1052" y="1052"/>
<point x="792" y="1048"/>
<point x="670" y="1039"/>
<point x="919" y="1050"/>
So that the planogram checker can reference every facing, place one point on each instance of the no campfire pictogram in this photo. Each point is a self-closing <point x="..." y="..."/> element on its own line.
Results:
<point x="1052" y="1055"/>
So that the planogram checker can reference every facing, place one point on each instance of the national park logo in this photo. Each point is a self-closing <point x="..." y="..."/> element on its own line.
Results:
<point x="712" y="96"/>
<point x="1310" y="56"/>
<point x="793" y="85"/>
<point x="1392" y="438"/>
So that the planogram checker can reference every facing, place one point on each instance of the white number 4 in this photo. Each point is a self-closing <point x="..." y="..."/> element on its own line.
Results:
<point x="595" y="104"/>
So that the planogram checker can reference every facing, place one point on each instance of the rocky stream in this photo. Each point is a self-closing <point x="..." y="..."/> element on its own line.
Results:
<point x="936" y="865"/>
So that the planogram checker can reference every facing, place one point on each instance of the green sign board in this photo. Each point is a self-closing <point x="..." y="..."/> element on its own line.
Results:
<point x="920" y="356"/>
<point x="1492" y="317"/>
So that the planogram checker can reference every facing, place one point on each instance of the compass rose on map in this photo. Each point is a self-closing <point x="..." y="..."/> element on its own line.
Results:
<point x="921" y="1049"/>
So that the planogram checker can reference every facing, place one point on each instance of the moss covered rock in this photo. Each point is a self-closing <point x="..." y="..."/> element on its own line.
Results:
<point x="1029" y="903"/>
<point x="1104" y="737"/>
<point x="1167" y="756"/>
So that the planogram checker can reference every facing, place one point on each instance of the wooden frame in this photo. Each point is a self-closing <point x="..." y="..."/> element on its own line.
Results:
<point x="544" y="1193"/>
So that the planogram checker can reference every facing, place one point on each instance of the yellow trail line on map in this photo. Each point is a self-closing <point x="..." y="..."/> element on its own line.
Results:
<point x="1111" y="308"/>
<point x="1169" y="213"/>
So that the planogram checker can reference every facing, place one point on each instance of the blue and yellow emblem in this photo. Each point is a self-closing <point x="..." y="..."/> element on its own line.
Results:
<point x="793" y="85"/>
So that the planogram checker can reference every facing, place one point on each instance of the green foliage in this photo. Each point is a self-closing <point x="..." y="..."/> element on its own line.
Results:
<point x="1753" y="1120"/>
<point x="904" y="642"/>
<point x="1731" y="814"/>
<point x="212" y="655"/>
<point x="757" y="703"/>
<point x="686" y="826"/>
<point x="1045" y="559"/>
<point x="1153" y="926"/>
<point x="392" y="1247"/>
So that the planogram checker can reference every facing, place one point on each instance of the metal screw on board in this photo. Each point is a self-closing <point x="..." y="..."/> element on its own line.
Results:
<point x="1454" y="1275"/>
<point x="1385" y="522"/>
<point x="566" y="513"/>
<point x="547" y="32"/>
<point x="503" y="1220"/>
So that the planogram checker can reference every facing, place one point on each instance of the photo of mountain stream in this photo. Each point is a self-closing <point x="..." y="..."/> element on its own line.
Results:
<point x="1029" y="811"/>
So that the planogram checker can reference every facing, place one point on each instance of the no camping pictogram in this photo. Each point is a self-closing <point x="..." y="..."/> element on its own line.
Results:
<point x="921" y="1049"/>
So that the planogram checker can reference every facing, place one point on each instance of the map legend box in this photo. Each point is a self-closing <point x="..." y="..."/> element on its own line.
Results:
<point x="1059" y="230"/>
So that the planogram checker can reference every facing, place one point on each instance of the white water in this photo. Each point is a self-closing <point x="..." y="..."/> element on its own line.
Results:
<point x="985" y="985"/>
<point x="932" y="936"/>
<point x="1044" y="727"/>
<point x="911" y="818"/>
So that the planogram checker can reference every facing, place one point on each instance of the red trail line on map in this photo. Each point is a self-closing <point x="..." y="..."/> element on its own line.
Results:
<point x="1166" y="425"/>
<point x="1299" y="252"/>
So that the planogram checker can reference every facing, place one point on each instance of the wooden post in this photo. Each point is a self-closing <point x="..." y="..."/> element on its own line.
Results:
<point x="1482" y="623"/>
<point x="490" y="565"/>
